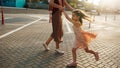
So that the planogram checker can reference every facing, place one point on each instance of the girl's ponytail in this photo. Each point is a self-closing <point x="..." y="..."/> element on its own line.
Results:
<point x="82" y="15"/>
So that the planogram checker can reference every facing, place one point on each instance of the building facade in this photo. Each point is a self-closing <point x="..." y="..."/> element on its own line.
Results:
<point x="13" y="3"/>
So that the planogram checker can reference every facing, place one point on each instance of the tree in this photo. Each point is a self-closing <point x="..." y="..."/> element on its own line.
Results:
<point x="73" y="3"/>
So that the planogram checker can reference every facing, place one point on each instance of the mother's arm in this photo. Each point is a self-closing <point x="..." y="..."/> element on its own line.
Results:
<point x="56" y="5"/>
<point x="66" y="4"/>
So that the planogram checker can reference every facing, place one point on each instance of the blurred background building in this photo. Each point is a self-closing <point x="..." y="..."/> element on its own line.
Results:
<point x="13" y="3"/>
<point x="87" y="5"/>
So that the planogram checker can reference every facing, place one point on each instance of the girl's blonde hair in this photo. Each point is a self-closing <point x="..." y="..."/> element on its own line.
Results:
<point x="82" y="15"/>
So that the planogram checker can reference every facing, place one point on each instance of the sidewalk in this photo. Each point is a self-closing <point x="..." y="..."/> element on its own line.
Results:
<point x="24" y="49"/>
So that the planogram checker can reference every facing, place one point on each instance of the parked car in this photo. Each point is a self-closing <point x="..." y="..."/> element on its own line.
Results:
<point x="38" y="5"/>
<point x="43" y="5"/>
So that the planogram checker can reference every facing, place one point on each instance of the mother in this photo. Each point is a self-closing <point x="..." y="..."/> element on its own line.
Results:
<point x="57" y="6"/>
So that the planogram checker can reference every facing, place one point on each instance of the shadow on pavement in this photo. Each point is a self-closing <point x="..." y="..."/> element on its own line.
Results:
<point x="71" y="66"/>
<point x="46" y="57"/>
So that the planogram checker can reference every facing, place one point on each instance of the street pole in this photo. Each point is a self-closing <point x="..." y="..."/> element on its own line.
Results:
<point x="2" y="14"/>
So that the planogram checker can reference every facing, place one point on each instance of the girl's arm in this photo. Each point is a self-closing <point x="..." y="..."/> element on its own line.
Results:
<point x="68" y="18"/>
<point x="72" y="21"/>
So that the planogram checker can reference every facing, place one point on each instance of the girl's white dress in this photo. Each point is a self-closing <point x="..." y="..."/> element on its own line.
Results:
<point x="82" y="38"/>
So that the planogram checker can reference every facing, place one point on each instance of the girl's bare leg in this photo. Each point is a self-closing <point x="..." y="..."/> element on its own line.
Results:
<point x="92" y="52"/>
<point x="74" y="54"/>
<point x="74" y="57"/>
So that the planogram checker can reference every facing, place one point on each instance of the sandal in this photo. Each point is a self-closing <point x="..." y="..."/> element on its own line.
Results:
<point x="72" y="64"/>
<point x="46" y="48"/>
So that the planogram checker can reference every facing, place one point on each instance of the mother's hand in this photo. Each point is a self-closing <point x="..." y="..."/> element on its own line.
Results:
<point x="61" y="8"/>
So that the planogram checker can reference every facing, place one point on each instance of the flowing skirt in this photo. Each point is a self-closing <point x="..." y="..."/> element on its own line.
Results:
<point x="57" y="26"/>
<point x="83" y="40"/>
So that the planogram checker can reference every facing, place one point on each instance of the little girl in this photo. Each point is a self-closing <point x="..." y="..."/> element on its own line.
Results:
<point x="82" y="38"/>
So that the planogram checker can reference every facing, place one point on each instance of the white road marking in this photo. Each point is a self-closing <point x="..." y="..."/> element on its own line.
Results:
<point x="44" y="17"/>
<point x="14" y="24"/>
<point x="67" y="25"/>
<point x="2" y="36"/>
<point x="64" y="19"/>
<point x="34" y="16"/>
<point x="39" y="16"/>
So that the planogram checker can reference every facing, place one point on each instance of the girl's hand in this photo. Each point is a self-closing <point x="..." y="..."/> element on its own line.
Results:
<point x="63" y="8"/>
<point x="64" y="11"/>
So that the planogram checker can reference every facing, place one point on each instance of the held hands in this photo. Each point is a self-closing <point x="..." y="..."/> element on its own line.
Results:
<point x="61" y="8"/>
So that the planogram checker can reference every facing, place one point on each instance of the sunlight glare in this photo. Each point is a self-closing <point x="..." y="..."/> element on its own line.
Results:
<point x="96" y="2"/>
